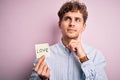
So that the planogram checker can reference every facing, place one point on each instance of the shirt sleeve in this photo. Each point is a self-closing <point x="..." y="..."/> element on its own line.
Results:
<point x="94" y="68"/>
<point x="34" y="75"/>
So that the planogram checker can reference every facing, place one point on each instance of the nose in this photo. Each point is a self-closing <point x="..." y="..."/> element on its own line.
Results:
<point x="72" y="23"/>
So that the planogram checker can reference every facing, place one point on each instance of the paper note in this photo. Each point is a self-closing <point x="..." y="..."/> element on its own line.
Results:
<point x="42" y="49"/>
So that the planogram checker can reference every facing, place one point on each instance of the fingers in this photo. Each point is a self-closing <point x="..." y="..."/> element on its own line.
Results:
<point x="79" y="38"/>
<point x="76" y="46"/>
<point x="40" y="61"/>
<point x="73" y="45"/>
<point x="42" y="68"/>
<point x="46" y="72"/>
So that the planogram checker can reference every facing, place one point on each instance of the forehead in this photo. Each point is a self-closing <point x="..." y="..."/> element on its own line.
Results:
<point x="73" y="14"/>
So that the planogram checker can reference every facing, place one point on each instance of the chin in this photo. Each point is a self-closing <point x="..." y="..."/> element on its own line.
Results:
<point x="72" y="37"/>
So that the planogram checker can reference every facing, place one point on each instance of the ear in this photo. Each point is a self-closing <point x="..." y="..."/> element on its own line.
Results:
<point x="59" y="23"/>
<point x="84" y="27"/>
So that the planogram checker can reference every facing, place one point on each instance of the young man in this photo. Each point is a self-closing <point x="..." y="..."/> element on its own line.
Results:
<point x="70" y="59"/>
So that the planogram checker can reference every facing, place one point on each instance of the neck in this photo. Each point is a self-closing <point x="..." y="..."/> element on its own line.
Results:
<point x="65" y="41"/>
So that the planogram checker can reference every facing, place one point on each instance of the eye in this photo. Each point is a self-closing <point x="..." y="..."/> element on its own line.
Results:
<point x="77" y="19"/>
<point x="67" y="18"/>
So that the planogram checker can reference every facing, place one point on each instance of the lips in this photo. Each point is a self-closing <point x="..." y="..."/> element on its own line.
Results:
<point x="71" y="30"/>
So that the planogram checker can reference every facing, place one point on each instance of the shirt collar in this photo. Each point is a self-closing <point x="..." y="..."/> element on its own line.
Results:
<point x="60" y="43"/>
<point x="63" y="46"/>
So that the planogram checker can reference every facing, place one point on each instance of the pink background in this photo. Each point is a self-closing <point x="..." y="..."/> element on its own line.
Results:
<point x="23" y="23"/>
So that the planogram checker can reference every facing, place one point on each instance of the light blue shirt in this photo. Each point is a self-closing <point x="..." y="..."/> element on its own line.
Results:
<point x="64" y="65"/>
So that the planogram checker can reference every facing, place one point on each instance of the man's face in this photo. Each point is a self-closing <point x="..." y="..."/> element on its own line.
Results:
<point x="72" y="25"/>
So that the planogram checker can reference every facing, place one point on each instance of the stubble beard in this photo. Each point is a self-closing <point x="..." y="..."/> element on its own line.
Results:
<point x="70" y="37"/>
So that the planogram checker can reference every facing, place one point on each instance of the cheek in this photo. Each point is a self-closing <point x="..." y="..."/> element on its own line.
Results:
<point x="64" y="23"/>
<point x="79" y="30"/>
<point x="63" y="27"/>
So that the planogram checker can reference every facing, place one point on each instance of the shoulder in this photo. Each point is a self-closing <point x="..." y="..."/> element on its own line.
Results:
<point x="54" y="48"/>
<point x="54" y="45"/>
<point x="90" y="49"/>
<point x="93" y="53"/>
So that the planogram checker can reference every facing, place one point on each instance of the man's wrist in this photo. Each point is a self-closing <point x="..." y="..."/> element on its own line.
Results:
<point x="83" y="59"/>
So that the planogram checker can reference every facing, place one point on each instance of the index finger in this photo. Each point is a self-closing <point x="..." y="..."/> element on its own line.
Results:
<point x="79" y="38"/>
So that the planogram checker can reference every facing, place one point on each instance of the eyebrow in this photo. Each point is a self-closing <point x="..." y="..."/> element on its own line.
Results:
<point x="66" y="17"/>
<point x="77" y="17"/>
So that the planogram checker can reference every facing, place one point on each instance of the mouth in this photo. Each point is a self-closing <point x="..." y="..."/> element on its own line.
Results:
<point x="71" y="30"/>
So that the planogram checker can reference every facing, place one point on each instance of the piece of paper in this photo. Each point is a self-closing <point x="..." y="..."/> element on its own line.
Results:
<point x="42" y="49"/>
